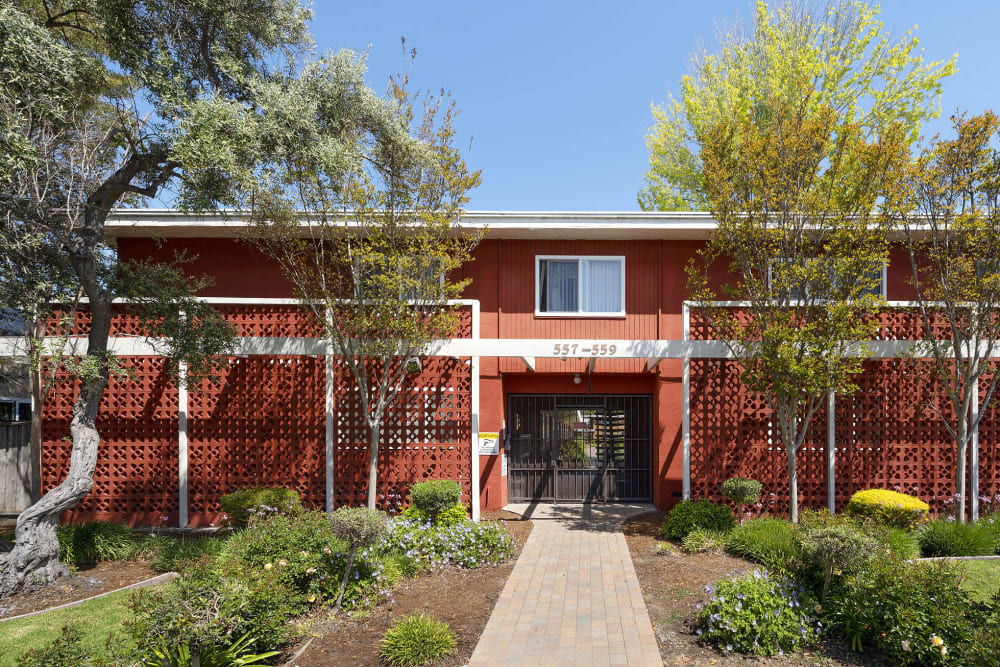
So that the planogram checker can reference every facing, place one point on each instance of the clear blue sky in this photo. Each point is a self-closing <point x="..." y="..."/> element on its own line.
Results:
<point x="556" y="95"/>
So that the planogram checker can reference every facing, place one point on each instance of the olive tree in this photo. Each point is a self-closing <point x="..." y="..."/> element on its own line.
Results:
<point x="92" y="99"/>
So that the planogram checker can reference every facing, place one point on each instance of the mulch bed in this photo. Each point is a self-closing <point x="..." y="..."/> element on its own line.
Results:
<point x="463" y="599"/>
<point x="88" y="582"/>
<point x="673" y="583"/>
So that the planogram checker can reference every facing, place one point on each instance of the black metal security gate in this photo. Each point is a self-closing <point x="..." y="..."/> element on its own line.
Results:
<point x="579" y="448"/>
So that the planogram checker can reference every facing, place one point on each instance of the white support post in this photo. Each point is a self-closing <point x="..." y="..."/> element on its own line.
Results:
<point x="831" y="451"/>
<point x="182" y="444"/>
<point x="974" y="457"/>
<point x="329" y="456"/>
<point x="686" y="408"/>
<point x="330" y="471"/>
<point x="474" y="401"/>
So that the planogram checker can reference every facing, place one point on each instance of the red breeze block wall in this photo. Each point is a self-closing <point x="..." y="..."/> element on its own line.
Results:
<point x="262" y="423"/>
<point x="886" y="434"/>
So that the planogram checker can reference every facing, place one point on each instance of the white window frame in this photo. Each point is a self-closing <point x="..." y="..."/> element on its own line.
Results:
<point x="883" y="287"/>
<point x="579" y="287"/>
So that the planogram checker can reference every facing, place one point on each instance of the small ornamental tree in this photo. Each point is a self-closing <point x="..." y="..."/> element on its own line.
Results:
<point x="952" y="226"/>
<point x="794" y="193"/>
<point x="741" y="491"/>
<point x="360" y="527"/>
<point x="837" y="55"/>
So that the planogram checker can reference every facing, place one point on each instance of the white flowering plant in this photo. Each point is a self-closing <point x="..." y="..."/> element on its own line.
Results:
<point x="757" y="613"/>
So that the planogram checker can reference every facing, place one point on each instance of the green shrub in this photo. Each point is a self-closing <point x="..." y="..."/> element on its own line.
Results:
<point x="417" y="640"/>
<point x="888" y="507"/>
<point x="306" y="556"/>
<point x="810" y="519"/>
<point x="63" y="651"/>
<point x="212" y="605"/>
<point x="259" y="502"/>
<point x="83" y="544"/>
<point x="229" y="654"/>
<point x="702" y="540"/>
<point x="899" y="609"/>
<point x="756" y="613"/>
<point x="836" y="550"/>
<point x="770" y="542"/>
<point x="172" y="554"/>
<point x="991" y="525"/>
<point x="433" y="497"/>
<point x="742" y="491"/>
<point x="690" y="514"/>
<point x="450" y="517"/>
<point x="902" y="543"/>
<point x="947" y="537"/>
<point x="360" y="528"/>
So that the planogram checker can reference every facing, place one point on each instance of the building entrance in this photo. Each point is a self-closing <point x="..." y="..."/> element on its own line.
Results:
<point x="580" y="448"/>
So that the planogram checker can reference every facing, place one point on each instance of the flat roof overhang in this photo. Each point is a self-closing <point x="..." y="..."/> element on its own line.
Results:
<point x="584" y="225"/>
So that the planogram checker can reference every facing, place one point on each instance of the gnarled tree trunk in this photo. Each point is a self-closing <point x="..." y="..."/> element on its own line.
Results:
<point x="34" y="561"/>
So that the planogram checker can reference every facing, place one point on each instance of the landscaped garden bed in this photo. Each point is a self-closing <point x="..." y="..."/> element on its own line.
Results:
<point x="462" y="598"/>
<point x="290" y="581"/>
<point x="834" y="589"/>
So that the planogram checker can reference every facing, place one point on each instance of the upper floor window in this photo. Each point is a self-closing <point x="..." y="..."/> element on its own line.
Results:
<point x="590" y="286"/>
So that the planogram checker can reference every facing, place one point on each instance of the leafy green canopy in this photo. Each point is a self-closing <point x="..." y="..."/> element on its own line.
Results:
<point x="796" y="194"/>
<point x="837" y="55"/>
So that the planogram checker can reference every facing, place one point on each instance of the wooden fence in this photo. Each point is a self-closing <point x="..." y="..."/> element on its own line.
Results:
<point x="16" y="469"/>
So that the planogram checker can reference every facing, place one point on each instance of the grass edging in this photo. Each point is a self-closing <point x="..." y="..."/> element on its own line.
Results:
<point x="152" y="581"/>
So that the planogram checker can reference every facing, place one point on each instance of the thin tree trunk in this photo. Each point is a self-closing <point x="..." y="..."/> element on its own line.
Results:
<point x="373" y="438"/>
<point x="343" y="582"/>
<point x="793" y="488"/>
<point x="960" y="494"/>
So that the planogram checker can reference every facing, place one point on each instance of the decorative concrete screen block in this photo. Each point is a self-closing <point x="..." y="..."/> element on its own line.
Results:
<point x="261" y="423"/>
<point x="271" y="321"/>
<point x="989" y="452"/>
<point x="136" y="475"/>
<point x="889" y="438"/>
<point x="732" y="435"/>
<point x="426" y="434"/>
<point x="886" y="434"/>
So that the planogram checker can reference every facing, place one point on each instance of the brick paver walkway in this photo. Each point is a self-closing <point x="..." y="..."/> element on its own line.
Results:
<point x="573" y="597"/>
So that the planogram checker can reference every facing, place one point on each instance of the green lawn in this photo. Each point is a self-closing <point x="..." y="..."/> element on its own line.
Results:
<point x="97" y="619"/>
<point x="981" y="578"/>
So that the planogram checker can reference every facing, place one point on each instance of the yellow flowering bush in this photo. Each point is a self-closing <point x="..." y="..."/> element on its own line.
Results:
<point x="888" y="507"/>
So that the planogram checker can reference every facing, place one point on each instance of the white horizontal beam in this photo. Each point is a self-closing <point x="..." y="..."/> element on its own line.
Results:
<point x="526" y="348"/>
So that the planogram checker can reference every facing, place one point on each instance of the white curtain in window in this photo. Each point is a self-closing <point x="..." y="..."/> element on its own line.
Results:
<point x="602" y="286"/>
<point x="560" y="287"/>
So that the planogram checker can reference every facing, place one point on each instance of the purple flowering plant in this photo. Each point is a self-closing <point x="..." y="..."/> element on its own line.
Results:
<point x="757" y="613"/>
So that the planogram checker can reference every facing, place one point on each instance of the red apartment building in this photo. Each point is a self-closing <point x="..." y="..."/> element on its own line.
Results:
<point x="577" y="375"/>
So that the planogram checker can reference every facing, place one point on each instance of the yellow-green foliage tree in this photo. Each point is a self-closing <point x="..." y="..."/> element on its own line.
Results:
<point x="837" y="56"/>
<point x="795" y="191"/>
<point x="952" y="223"/>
